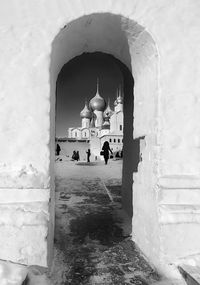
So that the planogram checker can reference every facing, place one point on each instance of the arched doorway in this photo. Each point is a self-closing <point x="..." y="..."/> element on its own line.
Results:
<point x="170" y="160"/>
<point x="131" y="44"/>
<point x="88" y="195"/>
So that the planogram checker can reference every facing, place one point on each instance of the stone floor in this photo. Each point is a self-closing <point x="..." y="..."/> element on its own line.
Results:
<point x="91" y="245"/>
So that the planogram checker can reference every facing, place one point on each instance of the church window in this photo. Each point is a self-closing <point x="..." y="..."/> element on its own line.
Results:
<point x="75" y="134"/>
<point x="110" y="140"/>
<point x="118" y="140"/>
<point x="120" y="127"/>
<point x="114" y="140"/>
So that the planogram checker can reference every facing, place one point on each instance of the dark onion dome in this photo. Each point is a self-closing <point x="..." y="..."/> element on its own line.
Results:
<point x="119" y="99"/>
<point x="108" y="111"/>
<point x="106" y="124"/>
<point x="86" y="113"/>
<point x="97" y="103"/>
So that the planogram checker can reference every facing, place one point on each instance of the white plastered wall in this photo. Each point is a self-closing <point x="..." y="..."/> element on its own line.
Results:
<point x="27" y="31"/>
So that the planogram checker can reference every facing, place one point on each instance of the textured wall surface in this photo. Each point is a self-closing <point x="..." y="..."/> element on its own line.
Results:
<point x="160" y="45"/>
<point x="12" y="273"/>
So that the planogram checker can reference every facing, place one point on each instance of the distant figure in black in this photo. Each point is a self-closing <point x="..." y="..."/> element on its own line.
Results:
<point x="106" y="149"/>
<point x="88" y="155"/>
<point x="122" y="153"/>
<point x="74" y="155"/>
<point x="77" y="156"/>
<point x="58" y="149"/>
<point x="117" y="154"/>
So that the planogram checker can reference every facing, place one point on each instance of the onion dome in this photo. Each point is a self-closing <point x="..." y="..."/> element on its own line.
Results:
<point x="119" y="98"/>
<point x="108" y="112"/>
<point x="86" y="113"/>
<point x="106" y="124"/>
<point x="97" y="103"/>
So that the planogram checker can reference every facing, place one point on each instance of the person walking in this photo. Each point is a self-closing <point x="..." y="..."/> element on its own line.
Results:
<point x="77" y="156"/>
<point x="106" y="149"/>
<point x="58" y="149"/>
<point x="88" y="155"/>
<point x="74" y="155"/>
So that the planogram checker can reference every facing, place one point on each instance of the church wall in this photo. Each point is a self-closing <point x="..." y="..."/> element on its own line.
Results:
<point x="105" y="132"/>
<point x="113" y="122"/>
<point x="114" y="145"/>
<point x="85" y="123"/>
<point x="120" y="121"/>
<point x="85" y="133"/>
<point x="76" y="133"/>
<point x="166" y="114"/>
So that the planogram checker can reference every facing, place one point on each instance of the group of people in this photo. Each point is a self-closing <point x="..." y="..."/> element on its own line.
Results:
<point x="75" y="156"/>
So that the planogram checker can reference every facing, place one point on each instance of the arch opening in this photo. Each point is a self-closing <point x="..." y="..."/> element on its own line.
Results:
<point x="136" y="52"/>
<point x="76" y="81"/>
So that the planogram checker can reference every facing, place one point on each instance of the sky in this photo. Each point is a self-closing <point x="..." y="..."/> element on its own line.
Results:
<point x="77" y="82"/>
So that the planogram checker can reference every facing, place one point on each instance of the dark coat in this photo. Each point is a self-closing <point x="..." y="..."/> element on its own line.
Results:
<point x="106" y="149"/>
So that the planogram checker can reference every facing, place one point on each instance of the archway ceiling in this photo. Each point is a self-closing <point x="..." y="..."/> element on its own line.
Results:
<point x="108" y="33"/>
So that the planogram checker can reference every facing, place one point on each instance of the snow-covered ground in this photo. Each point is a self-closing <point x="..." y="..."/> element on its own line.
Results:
<point x="91" y="246"/>
<point x="64" y="168"/>
<point x="67" y="170"/>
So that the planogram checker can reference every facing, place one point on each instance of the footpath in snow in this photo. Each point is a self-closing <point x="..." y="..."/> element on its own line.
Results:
<point x="91" y="243"/>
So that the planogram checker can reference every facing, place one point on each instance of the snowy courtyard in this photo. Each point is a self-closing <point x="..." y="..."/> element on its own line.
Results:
<point x="92" y="246"/>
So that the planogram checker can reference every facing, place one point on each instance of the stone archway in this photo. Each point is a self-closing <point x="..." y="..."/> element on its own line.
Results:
<point x="131" y="44"/>
<point x="170" y="110"/>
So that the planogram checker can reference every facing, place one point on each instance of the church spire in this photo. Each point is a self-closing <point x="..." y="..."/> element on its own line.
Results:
<point x="97" y="103"/>
<point x="115" y="102"/>
<point x="86" y="104"/>
<point x="97" y="93"/>
<point x="119" y="98"/>
<point x="119" y="91"/>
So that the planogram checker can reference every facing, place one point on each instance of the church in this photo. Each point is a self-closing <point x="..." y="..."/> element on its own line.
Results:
<point x="100" y="123"/>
